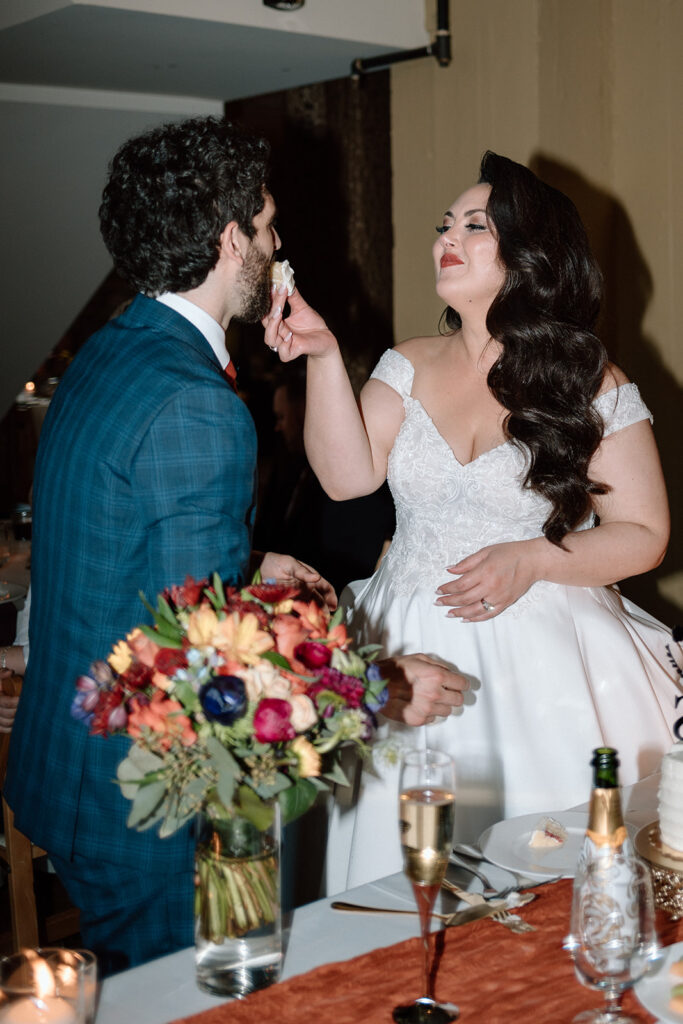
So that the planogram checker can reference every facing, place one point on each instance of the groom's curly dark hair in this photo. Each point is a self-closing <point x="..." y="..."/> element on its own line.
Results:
<point x="551" y="364"/>
<point x="170" y="193"/>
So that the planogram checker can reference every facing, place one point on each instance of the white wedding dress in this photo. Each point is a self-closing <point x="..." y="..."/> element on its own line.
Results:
<point x="560" y="672"/>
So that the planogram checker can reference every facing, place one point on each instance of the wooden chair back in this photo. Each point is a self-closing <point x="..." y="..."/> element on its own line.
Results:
<point x="18" y="853"/>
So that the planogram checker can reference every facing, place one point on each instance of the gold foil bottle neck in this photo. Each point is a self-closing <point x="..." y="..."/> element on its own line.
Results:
<point x="605" y="820"/>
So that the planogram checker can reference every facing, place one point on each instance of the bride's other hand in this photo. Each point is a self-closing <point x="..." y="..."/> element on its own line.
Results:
<point x="421" y="689"/>
<point x="303" y="332"/>
<point x="495" y="576"/>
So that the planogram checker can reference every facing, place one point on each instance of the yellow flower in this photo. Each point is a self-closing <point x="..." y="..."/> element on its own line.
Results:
<point x="241" y="639"/>
<point x="309" y="758"/>
<point x="201" y="626"/>
<point x="120" y="657"/>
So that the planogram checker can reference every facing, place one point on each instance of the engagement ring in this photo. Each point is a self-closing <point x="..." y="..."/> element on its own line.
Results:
<point x="488" y="607"/>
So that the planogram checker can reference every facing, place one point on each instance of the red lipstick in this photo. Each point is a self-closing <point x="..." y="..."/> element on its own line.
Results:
<point x="449" y="259"/>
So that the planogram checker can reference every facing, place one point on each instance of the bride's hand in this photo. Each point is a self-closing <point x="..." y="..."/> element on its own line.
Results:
<point x="489" y="581"/>
<point x="303" y="332"/>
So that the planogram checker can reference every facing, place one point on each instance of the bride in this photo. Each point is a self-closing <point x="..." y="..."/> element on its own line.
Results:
<point x="527" y="482"/>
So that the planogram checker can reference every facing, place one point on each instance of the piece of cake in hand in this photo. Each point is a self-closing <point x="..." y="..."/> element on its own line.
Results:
<point x="548" y="834"/>
<point x="282" y="273"/>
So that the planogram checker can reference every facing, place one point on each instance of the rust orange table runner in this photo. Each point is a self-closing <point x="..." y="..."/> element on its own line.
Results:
<point x="493" y="975"/>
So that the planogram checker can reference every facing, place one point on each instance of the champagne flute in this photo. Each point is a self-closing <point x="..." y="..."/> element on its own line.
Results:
<point x="613" y="941"/>
<point x="426" y="818"/>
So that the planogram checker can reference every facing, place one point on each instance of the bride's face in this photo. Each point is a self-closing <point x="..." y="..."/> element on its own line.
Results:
<point x="469" y="274"/>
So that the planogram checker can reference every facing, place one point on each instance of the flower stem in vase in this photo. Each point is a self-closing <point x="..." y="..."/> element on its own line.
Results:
<point x="237" y="906"/>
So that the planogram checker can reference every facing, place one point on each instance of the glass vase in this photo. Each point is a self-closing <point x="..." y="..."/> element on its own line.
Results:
<point x="238" y="928"/>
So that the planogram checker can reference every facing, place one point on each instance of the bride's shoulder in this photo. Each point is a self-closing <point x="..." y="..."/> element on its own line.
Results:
<point x="613" y="378"/>
<point x="420" y="351"/>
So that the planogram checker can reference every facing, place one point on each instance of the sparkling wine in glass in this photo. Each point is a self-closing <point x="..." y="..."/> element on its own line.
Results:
<point x="426" y="817"/>
<point x="613" y="940"/>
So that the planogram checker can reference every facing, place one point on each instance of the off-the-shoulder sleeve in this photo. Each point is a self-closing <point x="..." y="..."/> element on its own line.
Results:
<point x="621" y="407"/>
<point x="396" y="371"/>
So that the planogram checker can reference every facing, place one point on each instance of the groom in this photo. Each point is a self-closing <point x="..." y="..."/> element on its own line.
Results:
<point x="145" y="474"/>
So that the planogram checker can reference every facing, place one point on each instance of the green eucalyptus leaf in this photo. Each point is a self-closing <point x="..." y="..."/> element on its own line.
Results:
<point x="280" y="782"/>
<point x="336" y="774"/>
<point x="146" y="804"/>
<point x="296" y="800"/>
<point x="226" y="767"/>
<point x="132" y="771"/>
<point x="255" y="810"/>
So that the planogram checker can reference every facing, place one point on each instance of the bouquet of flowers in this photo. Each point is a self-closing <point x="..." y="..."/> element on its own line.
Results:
<point x="233" y="698"/>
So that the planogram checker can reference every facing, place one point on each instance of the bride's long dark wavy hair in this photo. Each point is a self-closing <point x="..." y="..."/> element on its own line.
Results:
<point x="552" y="364"/>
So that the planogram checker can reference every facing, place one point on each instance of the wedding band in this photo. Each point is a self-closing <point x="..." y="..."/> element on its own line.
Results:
<point x="273" y="348"/>
<point x="488" y="607"/>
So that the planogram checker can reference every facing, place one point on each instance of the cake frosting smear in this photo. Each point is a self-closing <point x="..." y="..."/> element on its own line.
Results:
<point x="671" y="801"/>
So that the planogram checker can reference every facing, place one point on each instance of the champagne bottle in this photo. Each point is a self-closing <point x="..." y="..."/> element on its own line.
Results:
<point x="606" y="831"/>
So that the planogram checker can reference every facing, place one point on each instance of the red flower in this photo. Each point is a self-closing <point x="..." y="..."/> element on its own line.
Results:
<point x="272" y="721"/>
<point x="234" y="603"/>
<point x="188" y="594"/>
<point x="348" y="687"/>
<point x="272" y="593"/>
<point x="137" y="676"/>
<point x="313" y="655"/>
<point x="110" y="714"/>
<point x="169" y="659"/>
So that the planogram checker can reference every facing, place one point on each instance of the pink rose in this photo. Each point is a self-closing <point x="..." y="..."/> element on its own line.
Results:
<point x="272" y="721"/>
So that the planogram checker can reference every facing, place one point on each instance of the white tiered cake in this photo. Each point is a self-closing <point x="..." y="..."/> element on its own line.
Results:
<point x="671" y="802"/>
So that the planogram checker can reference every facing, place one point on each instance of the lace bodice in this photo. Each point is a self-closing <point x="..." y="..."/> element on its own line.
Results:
<point x="446" y="510"/>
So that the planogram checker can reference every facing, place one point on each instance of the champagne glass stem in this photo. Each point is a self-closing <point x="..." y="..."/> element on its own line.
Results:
<point x="425" y="896"/>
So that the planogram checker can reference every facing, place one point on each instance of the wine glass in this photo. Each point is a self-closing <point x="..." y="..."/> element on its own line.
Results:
<point x="426" y="817"/>
<point x="613" y="940"/>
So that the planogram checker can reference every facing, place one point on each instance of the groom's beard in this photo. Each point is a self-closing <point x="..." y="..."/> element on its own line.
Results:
<point x="255" y="287"/>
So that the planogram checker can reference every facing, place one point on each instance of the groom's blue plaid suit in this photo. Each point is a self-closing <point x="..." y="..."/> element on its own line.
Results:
<point x="145" y="473"/>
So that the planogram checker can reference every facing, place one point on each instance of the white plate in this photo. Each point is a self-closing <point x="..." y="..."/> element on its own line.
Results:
<point x="11" y="591"/>
<point x="507" y="845"/>
<point x="654" y="990"/>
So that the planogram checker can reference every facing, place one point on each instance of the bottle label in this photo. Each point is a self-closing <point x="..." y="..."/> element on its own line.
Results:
<point x="611" y="839"/>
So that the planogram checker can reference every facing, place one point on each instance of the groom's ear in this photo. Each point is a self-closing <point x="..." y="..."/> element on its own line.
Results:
<point x="233" y="243"/>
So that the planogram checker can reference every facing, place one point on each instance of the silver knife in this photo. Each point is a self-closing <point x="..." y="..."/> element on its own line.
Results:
<point x="449" y="920"/>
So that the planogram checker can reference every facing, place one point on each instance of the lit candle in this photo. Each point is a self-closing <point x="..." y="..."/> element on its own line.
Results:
<point x="48" y="1010"/>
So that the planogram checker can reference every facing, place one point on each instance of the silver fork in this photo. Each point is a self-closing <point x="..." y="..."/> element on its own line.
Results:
<point x="503" y="916"/>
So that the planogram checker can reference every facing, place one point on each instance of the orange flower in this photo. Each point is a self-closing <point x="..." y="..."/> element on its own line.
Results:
<point x="315" y="616"/>
<point x="164" y="717"/>
<point x="241" y="639"/>
<point x="201" y="625"/>
<point x="289" y="633"/>
<point x="144" y="649"/>
<point x="309" y="758"/>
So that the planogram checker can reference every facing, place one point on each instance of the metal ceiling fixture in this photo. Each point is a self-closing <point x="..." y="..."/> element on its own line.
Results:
<point x="285" y="5"/>
<point x="440" y="48"/>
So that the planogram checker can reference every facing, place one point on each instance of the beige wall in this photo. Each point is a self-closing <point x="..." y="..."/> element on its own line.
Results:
<point x="590" y="93"/>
